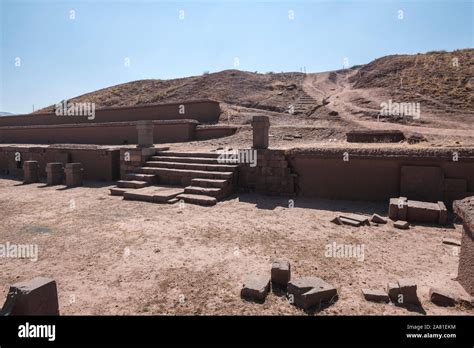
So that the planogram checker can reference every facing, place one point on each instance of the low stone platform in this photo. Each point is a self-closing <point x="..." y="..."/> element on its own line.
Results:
<point x="154" y="194"/>
<point x="415" y="211"/>
<point x="375" y="136"/>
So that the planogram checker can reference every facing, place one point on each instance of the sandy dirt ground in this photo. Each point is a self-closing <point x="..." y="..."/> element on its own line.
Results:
<point x="111" y="256"/>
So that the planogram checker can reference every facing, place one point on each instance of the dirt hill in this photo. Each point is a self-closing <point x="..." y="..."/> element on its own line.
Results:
<point x="443" y="81"/>
<point x="271" y="91"/>
<point x="446" y="77"/>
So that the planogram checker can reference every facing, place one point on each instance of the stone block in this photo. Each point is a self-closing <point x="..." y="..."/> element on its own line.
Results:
<point x="408" y="290"/>
<point x="375" y="295"/>
<point x="30" y="172"/>
<point x="145" y="134"/>
<point x="308" y="292"/>
<point x="393" y="291"/>
<point x="74" y="174"/>
<point x="443" y="214"/>
<point x="35" y="297"/>
<point x="75" y="167"/>
<point x="255" y="287"/>
<point x="403" y="225"/>
<point x="281" y="272"/>
<point x="378" y="219"/>
<point x="393" y="209"/>
<point x="54" y="173"/>
<point x="442" y="298"/>
<point x="424" y="212"/>
<point x="260" y="127"/>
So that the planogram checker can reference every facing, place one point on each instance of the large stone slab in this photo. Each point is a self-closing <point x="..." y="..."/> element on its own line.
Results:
<point x="393" y="291"/>
<point x="281" y="272"/>
<point x="375" y="295"/>
<point x="38" y="296"/>
<point x="425" y="212"/>
<point x="255" y="287"/>
<point x="422" y="183"/>
<point x="156" y="194"/>
<point x="408" y="291"/>
<point x="308" y="292"/>
<point x="442" y="298"/>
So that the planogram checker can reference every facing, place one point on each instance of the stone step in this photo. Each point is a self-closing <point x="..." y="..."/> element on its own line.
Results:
<point x="202" y="160"/>
<point x="197" y="199"/>
<point x="191" y="174"/>
<point x="150" y="178"/>
<point x="219" y="183"/>
<point x="117" y="191"/>
<point x="207" y="191"/>
<point x="154" y="194"/>
<point x="193" y="166"/>
<point x="132" y="184"/>
<point x="188" y="154"/>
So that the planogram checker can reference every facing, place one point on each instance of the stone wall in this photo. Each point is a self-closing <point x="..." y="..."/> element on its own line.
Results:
<point x="131" y="158"/>
<point x="379" y="174"/>
<point x="272" y="174"/>
<point x="202" y="111"/>
<point x="99" y="163"/>
<point x="115" y="133"/>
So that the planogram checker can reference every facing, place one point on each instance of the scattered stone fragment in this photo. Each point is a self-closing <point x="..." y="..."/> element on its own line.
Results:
<point x="256" y="287"/>
<point x="465" y="301"/>
<point x="408" y="290"/>
<point x="351" y="219"/>
<point x="442" y="298"/>
<point x="363" y="220"/>
<point x="378" y="219"/>
<point x="443" y="213"/>
<point x="281" y="272"/>
<point x="403" y="225"/>
<point x="38" y="296"/>
<point x="307" y="292"/>
<point x="288" y="137"/>
<point x="333" y="113"/>
<point x="297" y="136"/>
<point x="375" y="295"/>
<point x="451" y="241"/>
<point x="393" y="290"/>
<point x="351" y="222"/>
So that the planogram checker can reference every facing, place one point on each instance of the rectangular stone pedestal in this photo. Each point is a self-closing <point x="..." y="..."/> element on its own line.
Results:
<point x="74" y="174"/>
<point x="30" y="172"/>
<point x="54" y="173"/>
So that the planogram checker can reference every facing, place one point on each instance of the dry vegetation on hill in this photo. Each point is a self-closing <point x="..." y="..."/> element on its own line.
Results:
<point x="446" y="77"/>
<point x="271" y="91"/>
<point x="432" y="77"/>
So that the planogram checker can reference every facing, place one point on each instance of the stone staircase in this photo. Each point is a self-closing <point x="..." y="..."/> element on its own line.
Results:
<point x="169" y="177"/>
<point x="305" y="104"/>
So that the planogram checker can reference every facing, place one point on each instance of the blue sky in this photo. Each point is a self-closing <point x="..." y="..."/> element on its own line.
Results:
<point x="62" y="57"/>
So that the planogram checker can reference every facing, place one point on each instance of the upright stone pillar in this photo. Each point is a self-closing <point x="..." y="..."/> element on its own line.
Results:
<point x="30" y="172"/>
<point x="260" y="126"/>
<point x="145" y="134"/>
<point x="74" y="174"/>
<point x="465" y="210"/>
<point x="54" y="173"/>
